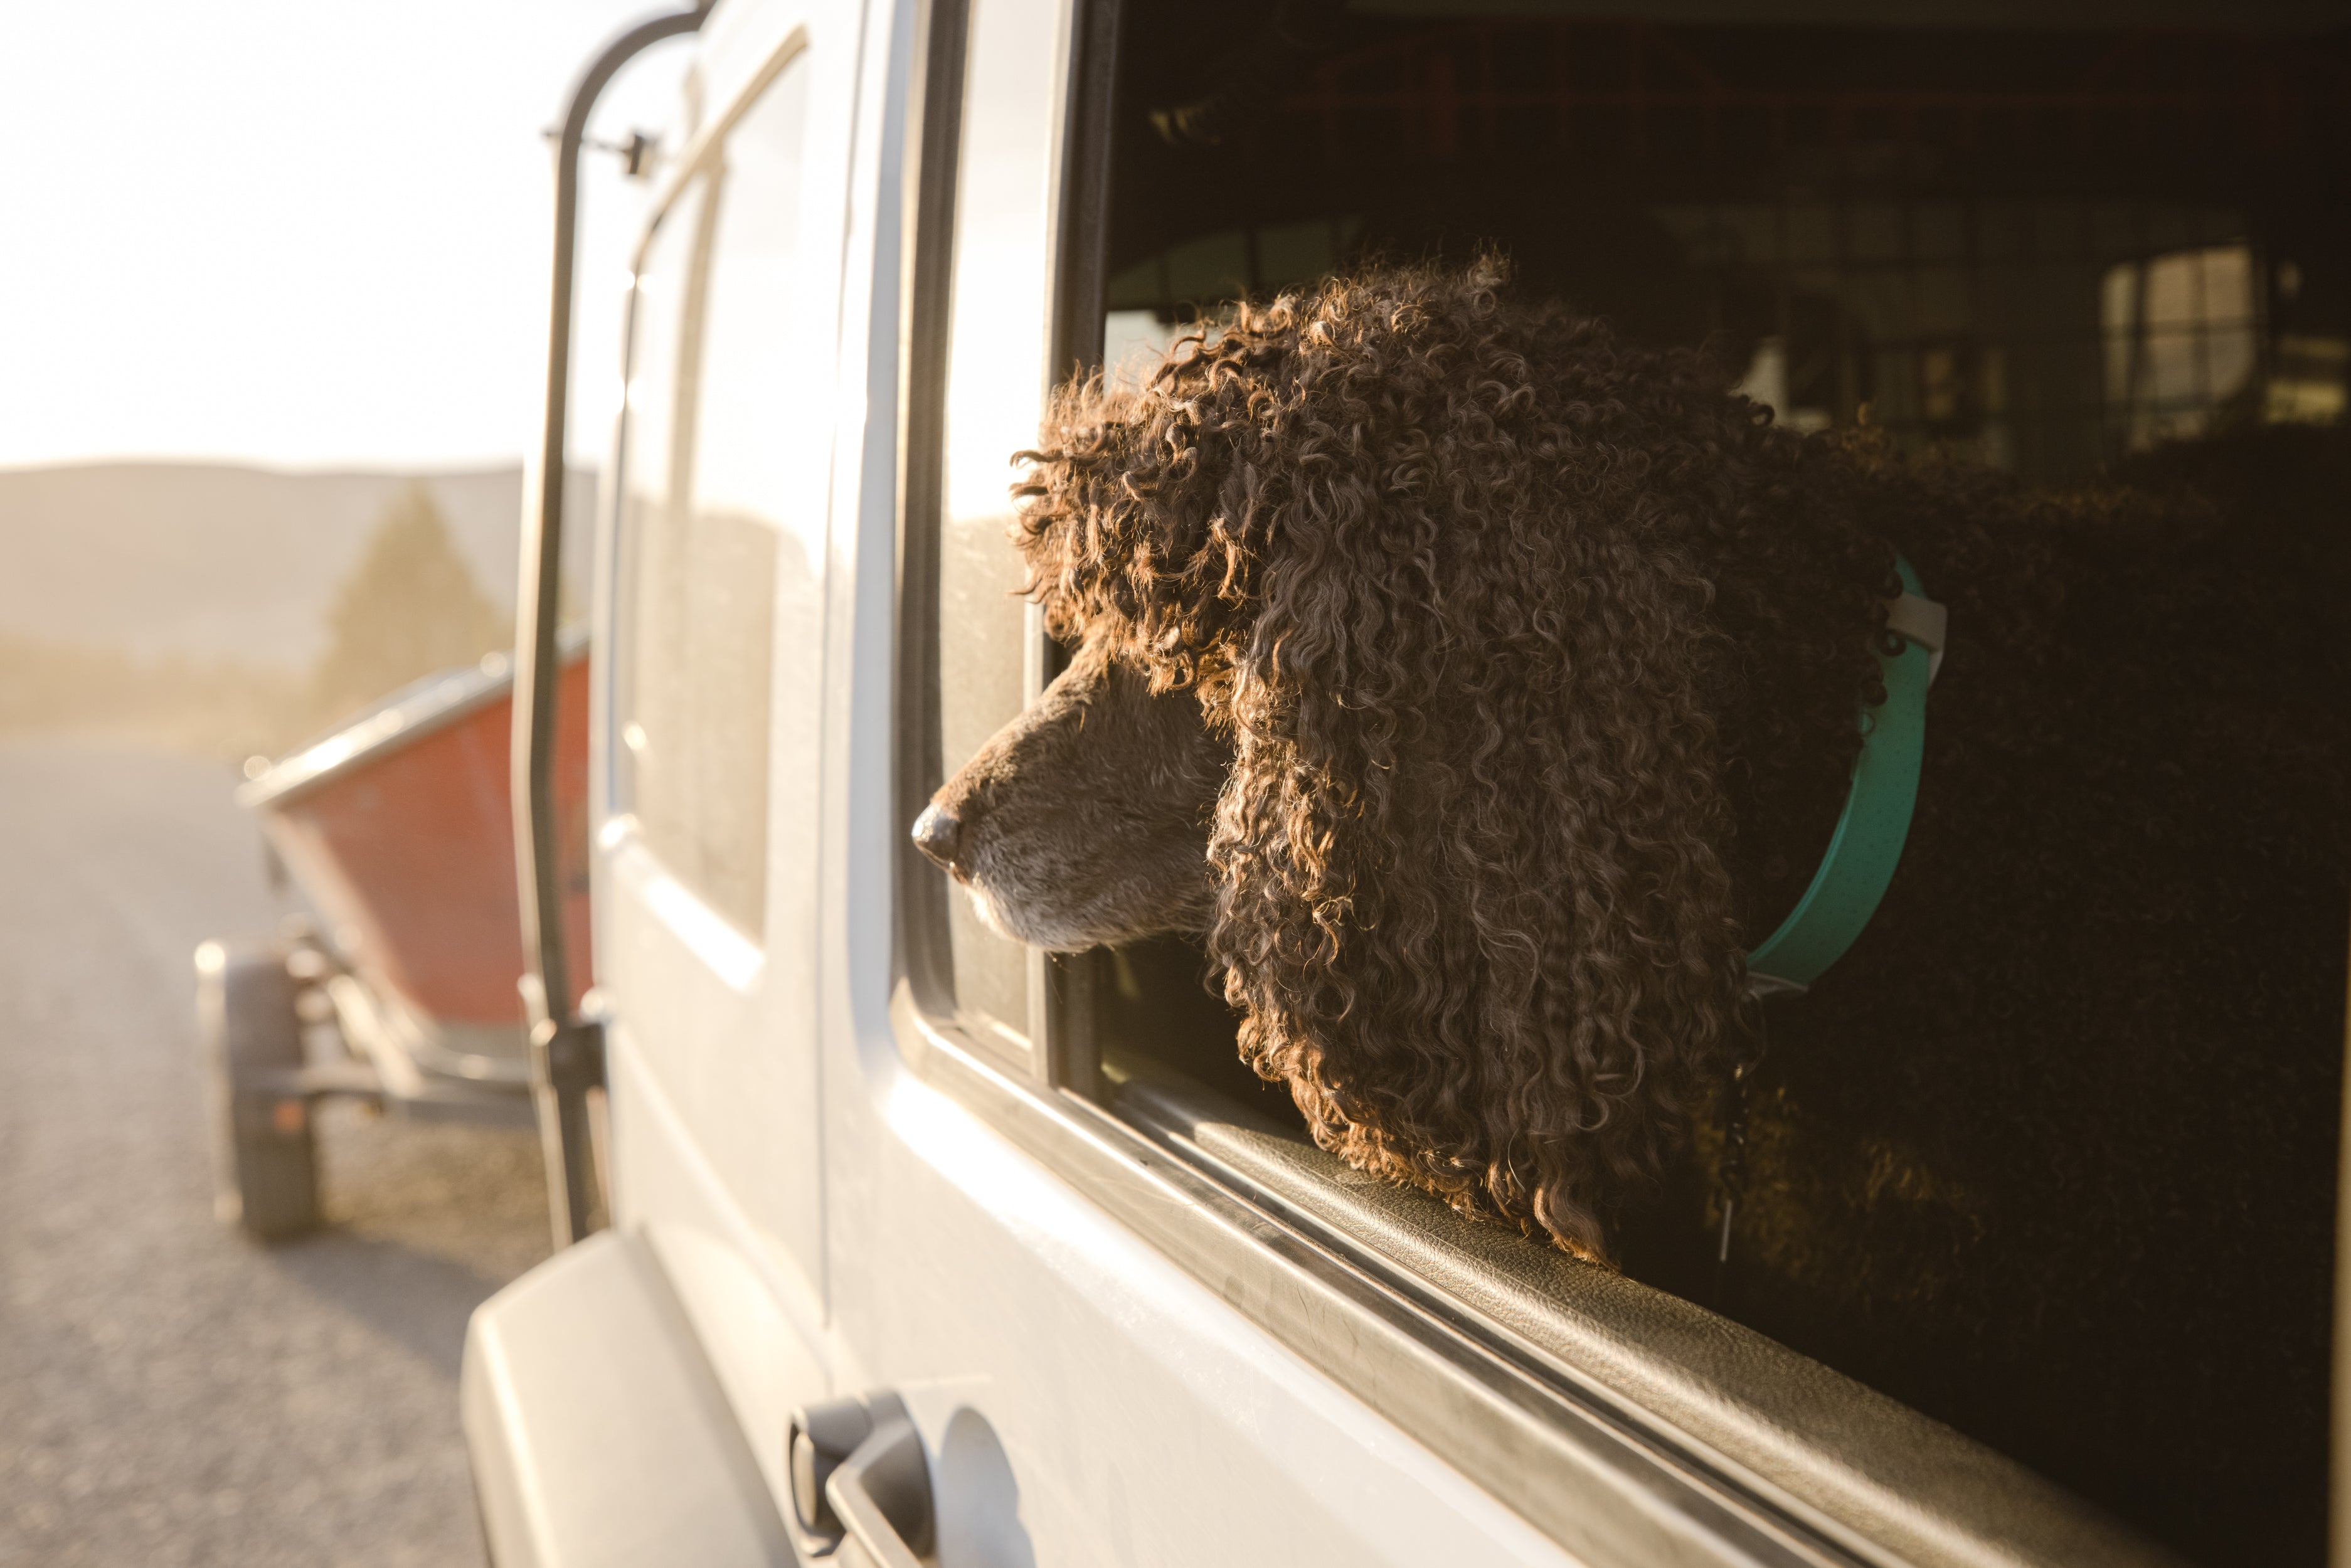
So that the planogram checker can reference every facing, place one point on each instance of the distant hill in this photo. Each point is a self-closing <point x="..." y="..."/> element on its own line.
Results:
<point x="210" y="561"/>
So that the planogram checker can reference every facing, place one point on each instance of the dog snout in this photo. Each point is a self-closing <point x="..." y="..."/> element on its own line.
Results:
<point x="937" y="834"/>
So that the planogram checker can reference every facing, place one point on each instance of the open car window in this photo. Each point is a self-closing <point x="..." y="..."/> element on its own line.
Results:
<point x="2055" y="251"/>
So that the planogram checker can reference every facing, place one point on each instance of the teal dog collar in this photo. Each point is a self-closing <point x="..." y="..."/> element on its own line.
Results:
<point x="1868" y="844"/>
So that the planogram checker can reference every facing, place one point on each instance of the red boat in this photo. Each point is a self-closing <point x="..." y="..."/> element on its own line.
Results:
<point x="399" y="827"/>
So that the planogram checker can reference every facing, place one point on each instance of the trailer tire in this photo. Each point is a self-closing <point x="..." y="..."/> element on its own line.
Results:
<point x="266" y="1159"/>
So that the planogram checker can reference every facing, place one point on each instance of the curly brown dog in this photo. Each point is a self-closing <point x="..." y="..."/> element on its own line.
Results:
<point x="1476" y="682"/>
<point x="1481" y="686"/>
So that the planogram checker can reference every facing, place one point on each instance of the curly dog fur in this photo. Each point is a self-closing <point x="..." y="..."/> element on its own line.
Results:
<point x="1534" y="653"/>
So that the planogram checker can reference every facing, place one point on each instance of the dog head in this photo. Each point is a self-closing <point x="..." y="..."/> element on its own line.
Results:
<point x="1418" y="579"/>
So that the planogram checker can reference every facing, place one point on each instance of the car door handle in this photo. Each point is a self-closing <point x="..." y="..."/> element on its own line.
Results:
<point x="860" y="1486"/>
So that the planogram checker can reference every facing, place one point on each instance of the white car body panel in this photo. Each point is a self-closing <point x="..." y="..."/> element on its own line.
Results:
<point x="1137" y="1417"/>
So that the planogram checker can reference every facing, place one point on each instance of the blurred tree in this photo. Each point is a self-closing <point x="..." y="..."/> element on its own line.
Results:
<point x="409" y="608"/>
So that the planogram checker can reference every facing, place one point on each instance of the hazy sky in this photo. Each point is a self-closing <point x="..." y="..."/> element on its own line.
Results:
<point x="303" y="233"/>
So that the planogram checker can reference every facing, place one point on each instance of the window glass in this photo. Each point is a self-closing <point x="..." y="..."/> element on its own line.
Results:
<point x="718" y="561"/>
<point x="981" y="630"/>
<point x="2179" y="333"/>
<point x="995" y="381"/>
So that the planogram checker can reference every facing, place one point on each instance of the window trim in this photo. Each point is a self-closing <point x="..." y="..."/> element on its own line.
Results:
<point x="1571" y="1393"/>
<point x="932" y="140"/>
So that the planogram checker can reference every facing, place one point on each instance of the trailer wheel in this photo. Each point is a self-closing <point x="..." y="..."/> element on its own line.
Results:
<point x="266" y="1161"/>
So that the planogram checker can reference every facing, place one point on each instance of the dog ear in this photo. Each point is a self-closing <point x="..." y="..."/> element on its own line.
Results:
<point x="1125" y="517"/>
<point x="1472" y="899"/>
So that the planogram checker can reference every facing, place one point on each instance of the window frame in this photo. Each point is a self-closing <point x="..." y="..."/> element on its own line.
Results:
<point x="1537" y="1375"/>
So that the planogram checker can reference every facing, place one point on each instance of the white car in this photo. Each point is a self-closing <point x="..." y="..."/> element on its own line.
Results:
<point x="924" y="1245"/>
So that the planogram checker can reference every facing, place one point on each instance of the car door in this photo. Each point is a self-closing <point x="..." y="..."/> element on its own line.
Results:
<point x="868" y="1140"/>
<point x="1086" y="1383"/>
<point x="713" y="579"/>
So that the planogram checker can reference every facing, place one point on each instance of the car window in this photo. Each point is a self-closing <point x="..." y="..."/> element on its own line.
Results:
<point x="719" y="559"/>
<point x="1882" y="231"/>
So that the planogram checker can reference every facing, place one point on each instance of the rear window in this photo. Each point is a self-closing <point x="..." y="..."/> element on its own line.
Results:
<point x="709" y="472"/>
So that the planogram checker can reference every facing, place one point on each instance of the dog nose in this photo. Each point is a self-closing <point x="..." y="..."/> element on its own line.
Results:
<point x="936" y="832"/>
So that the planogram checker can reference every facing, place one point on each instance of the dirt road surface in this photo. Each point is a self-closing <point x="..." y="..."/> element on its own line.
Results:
<point x="171" y="1393"/>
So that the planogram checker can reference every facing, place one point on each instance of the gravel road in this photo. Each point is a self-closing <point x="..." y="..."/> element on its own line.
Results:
<point x="171" y="1393"/>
